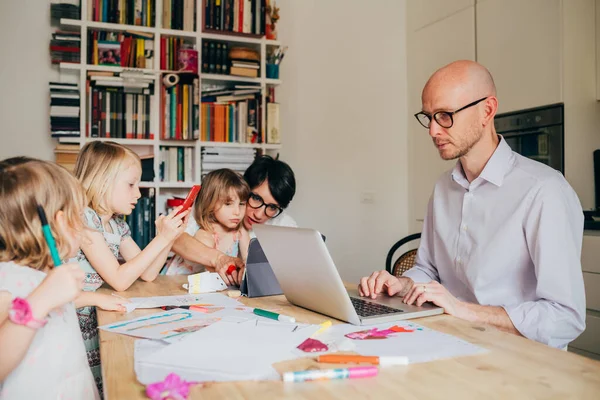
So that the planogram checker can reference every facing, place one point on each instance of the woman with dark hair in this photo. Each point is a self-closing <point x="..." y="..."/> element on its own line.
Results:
<point x="272" y="188"/>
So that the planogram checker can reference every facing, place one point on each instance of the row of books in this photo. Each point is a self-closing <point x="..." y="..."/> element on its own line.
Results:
<point x="215" y="57"/>
<point x="176" y="164"/>
<point x="180" y="108"/>
<point x="179" y="14"/>
<point x="236" y="122"/>
<point x="65" y="47"/>
<point x="118" y="111"/>
<point x="176" y="55"/>
<point x="237" y="159"/>
<point x="130" y="12"/>
<point x="242" y="16"/>
<point x="64" y="109"/>
<point x="65" y="9"/>
<point x="125" y="49"/>
<point x="141" y="220"/>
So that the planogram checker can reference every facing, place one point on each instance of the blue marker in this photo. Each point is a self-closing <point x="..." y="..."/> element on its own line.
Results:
<point x="48" y="237"/>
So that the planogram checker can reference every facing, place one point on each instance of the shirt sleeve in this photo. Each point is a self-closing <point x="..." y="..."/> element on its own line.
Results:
<point x="123" y="227"/>
<point x="192" y="226"/>
<point x="92" y="220"/>
<point x="424" y="271"/>
<point x="554" y="233"/>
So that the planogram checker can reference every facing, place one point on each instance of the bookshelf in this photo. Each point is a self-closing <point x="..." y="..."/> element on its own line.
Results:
<point x="152" y="147"/>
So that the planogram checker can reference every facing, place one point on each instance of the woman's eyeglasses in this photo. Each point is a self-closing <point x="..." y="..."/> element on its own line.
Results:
<point x="256" y="202"/>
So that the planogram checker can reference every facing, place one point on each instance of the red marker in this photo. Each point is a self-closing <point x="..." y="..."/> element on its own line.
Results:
<point x="231" y="269"/>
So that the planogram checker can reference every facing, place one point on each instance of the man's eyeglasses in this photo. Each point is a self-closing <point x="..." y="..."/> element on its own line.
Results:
<point x="443" y="118"/>
<point x="256" y="202"/>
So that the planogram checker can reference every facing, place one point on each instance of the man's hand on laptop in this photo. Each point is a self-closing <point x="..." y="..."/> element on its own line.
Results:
<point x="384" y="282"/>
<point x="436" y="293"/>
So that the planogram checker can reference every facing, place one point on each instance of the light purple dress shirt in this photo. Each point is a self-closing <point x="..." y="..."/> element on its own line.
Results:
<point x="511" y="238"/>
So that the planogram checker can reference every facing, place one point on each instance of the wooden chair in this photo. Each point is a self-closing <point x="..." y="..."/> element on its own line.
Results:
<point x="406" y="261"/>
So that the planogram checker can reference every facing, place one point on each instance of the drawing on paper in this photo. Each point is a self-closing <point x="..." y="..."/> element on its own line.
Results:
<point x="377" y="334"/>
<point x="312" y="346"/>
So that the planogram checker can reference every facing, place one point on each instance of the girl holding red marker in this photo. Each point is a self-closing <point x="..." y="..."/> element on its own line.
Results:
<point x="219" y="210"/>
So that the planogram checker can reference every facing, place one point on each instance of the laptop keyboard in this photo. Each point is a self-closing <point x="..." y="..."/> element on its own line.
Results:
<point x="367" y="309"/>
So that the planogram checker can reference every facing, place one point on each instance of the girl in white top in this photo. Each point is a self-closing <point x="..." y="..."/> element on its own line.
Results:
<point x="110" y="175"/>
<point x="219" y="209"/>
<point x="42" y="352"/>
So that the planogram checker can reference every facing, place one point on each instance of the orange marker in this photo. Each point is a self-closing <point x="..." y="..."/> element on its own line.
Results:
<point x="356" y="359"/>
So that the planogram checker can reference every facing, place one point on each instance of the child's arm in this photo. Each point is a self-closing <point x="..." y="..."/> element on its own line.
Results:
<point x="122" y="276"/>
<point x="104" y="301"/>
<point x="61" y="286"/>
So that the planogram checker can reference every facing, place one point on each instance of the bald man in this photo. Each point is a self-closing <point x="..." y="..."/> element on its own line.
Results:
<point x="501" y="240"/>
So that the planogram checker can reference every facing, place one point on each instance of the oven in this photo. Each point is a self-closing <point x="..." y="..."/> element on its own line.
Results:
<point x="536" y="133"/>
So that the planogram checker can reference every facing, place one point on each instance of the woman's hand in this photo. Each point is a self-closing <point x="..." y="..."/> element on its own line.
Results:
<point x="231" y="276"/>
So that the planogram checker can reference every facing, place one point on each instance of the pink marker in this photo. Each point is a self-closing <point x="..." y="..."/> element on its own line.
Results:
<point x="327" y="374"/>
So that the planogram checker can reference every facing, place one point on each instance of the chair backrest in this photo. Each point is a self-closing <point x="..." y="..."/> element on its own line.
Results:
<point x="406" y="261"/>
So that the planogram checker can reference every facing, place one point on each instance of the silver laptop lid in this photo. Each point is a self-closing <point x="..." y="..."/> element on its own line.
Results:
<point x="309" y="279"/>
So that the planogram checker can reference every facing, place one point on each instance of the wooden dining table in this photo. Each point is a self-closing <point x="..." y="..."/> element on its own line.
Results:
<point x="513" y="368"/>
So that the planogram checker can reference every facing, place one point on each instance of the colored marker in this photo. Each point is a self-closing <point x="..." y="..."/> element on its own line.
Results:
<point x="275" y="316"/>
<point x="327" y="374"/>
<point x="323" y="327"/>
<point x="48" y="236"/>
<point x="356" y="359"/>
<point x="190" y="307"/>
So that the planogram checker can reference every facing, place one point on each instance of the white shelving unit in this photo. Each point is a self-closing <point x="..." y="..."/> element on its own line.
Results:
<point x="164" y="190"/>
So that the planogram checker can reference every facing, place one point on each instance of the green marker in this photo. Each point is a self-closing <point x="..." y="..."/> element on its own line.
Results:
<point x="48" y="237"/>
<point x="275" y="316"/>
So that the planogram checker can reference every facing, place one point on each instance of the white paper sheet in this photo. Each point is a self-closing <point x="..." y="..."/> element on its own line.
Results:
<point x="163" y="325"/>
<point x="421" y="345"/>
<point x="227" y="351"/>
<point x="213" y="299"/>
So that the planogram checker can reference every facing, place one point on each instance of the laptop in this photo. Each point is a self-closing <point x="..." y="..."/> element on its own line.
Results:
<point x="259" y="279"/>
<point x="309" y="279"/>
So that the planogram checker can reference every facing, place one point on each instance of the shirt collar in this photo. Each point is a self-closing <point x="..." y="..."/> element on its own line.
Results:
<point x="496" y="168"/>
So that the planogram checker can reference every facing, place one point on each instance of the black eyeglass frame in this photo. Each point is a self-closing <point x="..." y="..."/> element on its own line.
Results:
<point x="448" y="113"/>
<point x="263" y="204"/>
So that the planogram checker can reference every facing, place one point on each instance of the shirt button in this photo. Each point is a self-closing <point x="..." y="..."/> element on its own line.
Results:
<point x="464" y="227"/>
<point x="458" y="260"/>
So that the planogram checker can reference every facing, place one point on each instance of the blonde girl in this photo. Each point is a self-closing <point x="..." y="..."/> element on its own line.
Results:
<point x="42" y="353"/>
<point x="110" y="175"/>
<point x="219" y="211"/>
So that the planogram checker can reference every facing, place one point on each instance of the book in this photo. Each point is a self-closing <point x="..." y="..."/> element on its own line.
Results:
<point x="239" y="71"/>
<point x="109" y="53"/>
<point x="188" y="60"/>
<point x="273" y="134"/>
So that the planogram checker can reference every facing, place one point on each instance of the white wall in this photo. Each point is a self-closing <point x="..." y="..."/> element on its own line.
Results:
<point x="24" y="74"/>
<point x="344" y="124"/>
<point x="582" y="111"/>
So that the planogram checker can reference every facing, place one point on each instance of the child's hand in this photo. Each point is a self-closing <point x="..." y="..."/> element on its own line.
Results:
<point x="62" y="285"/>
<point x="111" y="303"/>
<point x="172" y="225"/>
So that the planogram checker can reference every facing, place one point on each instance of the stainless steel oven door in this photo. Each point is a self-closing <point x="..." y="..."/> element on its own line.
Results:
<point x="542" y="144"/>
